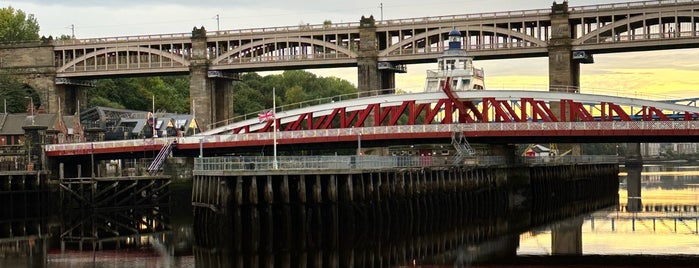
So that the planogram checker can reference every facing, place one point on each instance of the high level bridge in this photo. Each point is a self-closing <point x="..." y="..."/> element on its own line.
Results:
<point x="60" y="69"/>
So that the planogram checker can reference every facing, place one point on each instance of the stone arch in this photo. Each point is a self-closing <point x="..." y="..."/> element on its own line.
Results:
<point x="161" y="53"/>
<point x="491" y="29"/>
<point x="240" y="49"/>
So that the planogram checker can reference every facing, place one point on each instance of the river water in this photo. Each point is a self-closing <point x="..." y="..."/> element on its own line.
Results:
<point x="445" y="231"/>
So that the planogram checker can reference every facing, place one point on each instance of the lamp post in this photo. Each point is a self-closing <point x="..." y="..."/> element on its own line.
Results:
<point x="155" y="120"/>
<point x="31" y="103"/>
<point x="359" y="143"/>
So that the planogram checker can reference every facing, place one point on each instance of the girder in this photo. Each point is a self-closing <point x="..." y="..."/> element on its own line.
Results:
<point x="505" y="132"/>
<point x="467" y="107"/>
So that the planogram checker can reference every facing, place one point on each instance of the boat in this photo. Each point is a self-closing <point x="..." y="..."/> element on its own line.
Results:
<point x="456" y="67"/>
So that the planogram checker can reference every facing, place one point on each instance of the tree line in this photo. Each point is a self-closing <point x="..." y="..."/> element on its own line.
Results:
<point x="251" y="94"/>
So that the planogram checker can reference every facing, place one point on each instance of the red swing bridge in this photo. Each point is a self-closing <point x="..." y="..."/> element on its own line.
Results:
<point x="486" y="116"/>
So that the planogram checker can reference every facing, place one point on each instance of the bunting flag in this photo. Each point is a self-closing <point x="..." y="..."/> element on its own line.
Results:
<point x="266" y="115"/>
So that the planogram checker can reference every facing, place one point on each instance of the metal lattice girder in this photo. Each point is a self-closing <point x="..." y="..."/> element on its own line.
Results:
<point x="472" y="107"/>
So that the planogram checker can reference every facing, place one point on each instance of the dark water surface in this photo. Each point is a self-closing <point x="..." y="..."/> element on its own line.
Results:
<point x="449" y="230"/>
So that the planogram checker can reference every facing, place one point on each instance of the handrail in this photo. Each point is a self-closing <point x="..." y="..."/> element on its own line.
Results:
<point x="363" y="162"/>
<point x="87" y="147"/>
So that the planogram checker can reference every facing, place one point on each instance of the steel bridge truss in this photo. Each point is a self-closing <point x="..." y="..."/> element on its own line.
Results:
<point x="467" y="107"/>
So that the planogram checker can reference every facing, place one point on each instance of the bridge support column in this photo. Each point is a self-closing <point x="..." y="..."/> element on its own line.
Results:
<point x="210" y="91"/>
<point x="68" y="97"/>
<point x="566" y="237"/>
<point x="367" y="58"/>
<point x="199" y="84"/>
<point x="387" y="74"/>
<point x="388" y="81"/>
<point x="221" y="96"/>
<point x="564" y="72"/>
<point x="634" y="166"/>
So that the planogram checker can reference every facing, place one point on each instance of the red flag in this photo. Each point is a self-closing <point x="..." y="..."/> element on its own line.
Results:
<point x="266" y="115"/>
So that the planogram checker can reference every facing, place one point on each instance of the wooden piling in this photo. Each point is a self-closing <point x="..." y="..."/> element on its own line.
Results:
<point x="302" y="188"/>
<point x="268" y="191"/>
<point x="284" y="191"/>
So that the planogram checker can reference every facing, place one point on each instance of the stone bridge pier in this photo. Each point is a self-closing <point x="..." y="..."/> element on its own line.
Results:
<point x="374" y="76"/>
<point x="210" y="91"/>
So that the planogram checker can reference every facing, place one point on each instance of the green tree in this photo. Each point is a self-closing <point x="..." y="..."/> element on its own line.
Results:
<point x="171" y="93"/>
<point x="254" y="92"/>
<point x="247" y="100"/>
<point x="16" y="95"/>
<point x="15" y="25"/>
<point x="64" y="37"/>
<point x="294" y="94"/>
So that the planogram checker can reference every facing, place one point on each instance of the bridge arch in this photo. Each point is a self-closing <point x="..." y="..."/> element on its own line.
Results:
<point x="104" y="52"/>
<point x="273" y="42"/>
<point x="636" y="22"/>
<point x="495" y="31"/>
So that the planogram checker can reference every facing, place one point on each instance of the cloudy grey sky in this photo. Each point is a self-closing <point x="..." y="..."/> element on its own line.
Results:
<point x="93" y="18"/>
<point x="665" y="72"/>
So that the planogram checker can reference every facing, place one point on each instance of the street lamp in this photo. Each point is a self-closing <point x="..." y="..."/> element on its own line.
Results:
<point x="155" y="120"/>
<point x="31" y="103"/>
<point x="359" y="143"/>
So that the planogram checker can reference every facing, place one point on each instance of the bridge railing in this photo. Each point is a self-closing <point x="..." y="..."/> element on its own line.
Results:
<point x="582" y="159"/>
<point x="239" y="163"/>
<point x="364" y="162"/>
<point x="119" y="39"/>
<point x="637" y="4"/>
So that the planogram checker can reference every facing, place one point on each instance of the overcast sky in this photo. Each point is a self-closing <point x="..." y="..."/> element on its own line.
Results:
<point x="92" y="18"/>
<point x="666" y="72"/>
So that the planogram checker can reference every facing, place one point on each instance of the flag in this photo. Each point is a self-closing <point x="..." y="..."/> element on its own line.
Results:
<point x="266" y="115"/>
<point x="151" y="118"/>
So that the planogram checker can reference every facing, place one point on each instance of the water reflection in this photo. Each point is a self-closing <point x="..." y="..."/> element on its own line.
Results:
<point x="137" y="237"/>
<point x="661" y="230"/>
<point x="23" y="229"/>
<point x="146" y="234"/>
<point x="447" y="229"/>
<point x="36" y="232"/>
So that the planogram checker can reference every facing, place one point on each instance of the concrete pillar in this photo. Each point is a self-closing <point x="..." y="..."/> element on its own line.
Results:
<point x="68" y="97"/>
<point x="634" y="166"/>
<point x="210" y="91"/>
<point x="388" y="81"/>
<point x="367" y="58"/>
<point x="564" y="72"/>
<point x="200" y="87"/>
<point x="566" y="237"/>
<point x="222" y="100"/>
